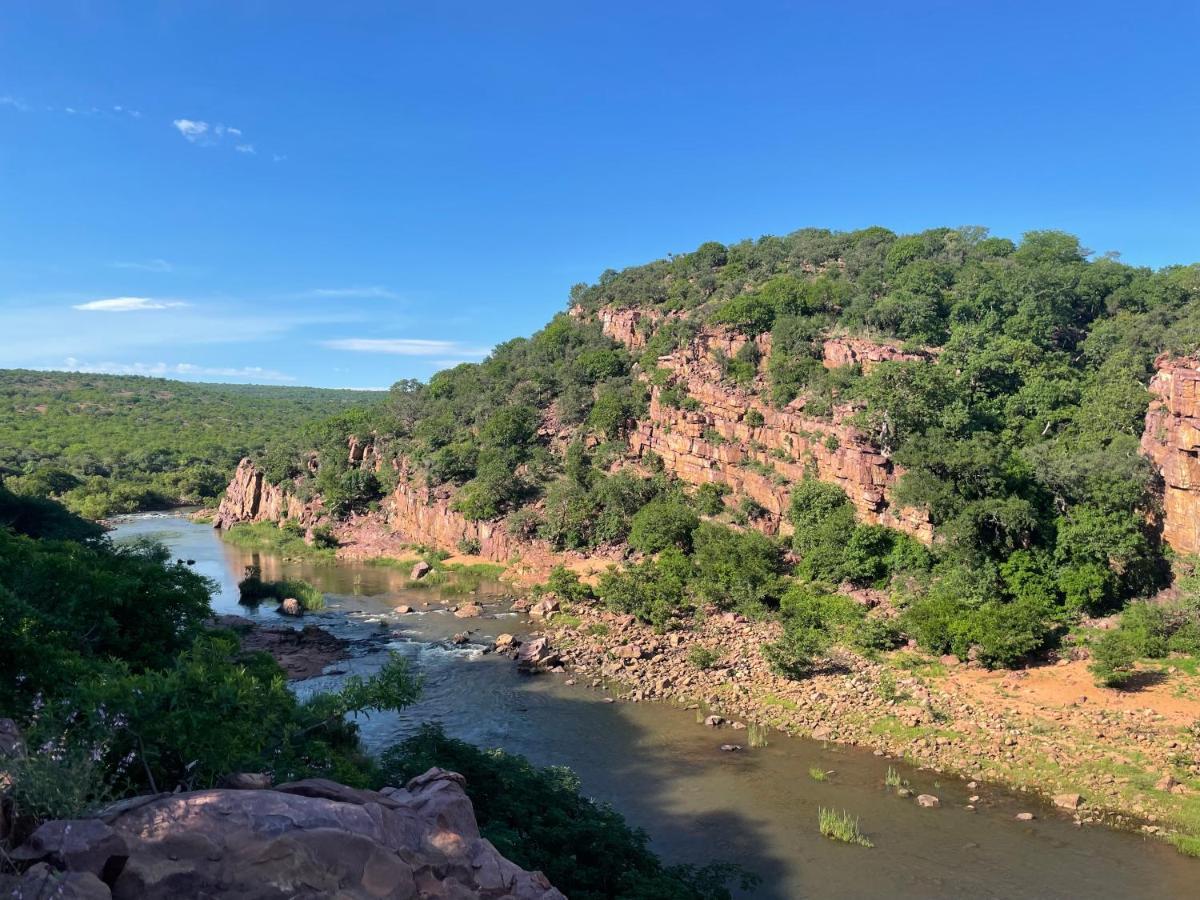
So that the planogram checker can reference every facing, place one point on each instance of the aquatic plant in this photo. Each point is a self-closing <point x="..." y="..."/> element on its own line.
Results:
<point x="839" y="826"/>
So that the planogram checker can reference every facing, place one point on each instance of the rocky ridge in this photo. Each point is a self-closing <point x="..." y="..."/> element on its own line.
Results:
<point x="307" y="839"/>
<point x="734" y="438"/>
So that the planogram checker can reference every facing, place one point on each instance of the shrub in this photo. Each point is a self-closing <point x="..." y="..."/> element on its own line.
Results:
<point x="794" y="654"/>
<point x="737" y="570"/>
<point x="656" y="591"/>
<point x="708" y="498"/>
<point x="661" y="524"/>
<point x="1113" y="658"/>
<point x="703" y="658"/>
<point x="469" y="546"/>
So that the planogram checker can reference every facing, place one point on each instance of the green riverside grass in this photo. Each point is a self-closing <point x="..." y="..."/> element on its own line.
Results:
<point x="892" y="779"/>
<point x="839" y="826"/>
<point x="816" y="773"/>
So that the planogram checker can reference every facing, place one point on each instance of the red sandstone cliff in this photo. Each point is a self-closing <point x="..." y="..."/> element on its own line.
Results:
<point x="1172" y="441"/>
<point x="717" y="443"/>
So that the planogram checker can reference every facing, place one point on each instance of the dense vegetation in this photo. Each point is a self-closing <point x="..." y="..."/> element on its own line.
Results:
<point x="1017" y="424"/>
<point x="121" y="686"/>
<point x="107" y="444"/>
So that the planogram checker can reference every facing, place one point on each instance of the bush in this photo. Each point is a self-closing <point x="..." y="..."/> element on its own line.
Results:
<point x="708" y="498"/>
<point x="795" y="653"/>
<point x="703" y="658"/>
<point x="1113" y="658"/>
<point x="661" y="524"/>
<point x="737" y="570"/>
<point x="656" y="591"/>
<point x="253" y="590"/>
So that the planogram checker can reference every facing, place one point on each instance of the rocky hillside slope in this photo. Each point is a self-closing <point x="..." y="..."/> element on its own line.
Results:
<point x="309" y="839"/>
<point x="1172" y="441"/>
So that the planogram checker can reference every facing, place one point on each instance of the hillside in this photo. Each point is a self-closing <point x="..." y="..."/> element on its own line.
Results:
<point x="108" y="444"/>
<point x="947" y="418"/>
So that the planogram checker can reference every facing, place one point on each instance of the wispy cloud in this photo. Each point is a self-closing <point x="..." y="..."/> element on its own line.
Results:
<point x="15" y="103"/>
<point x="245" y="148"/>
<point x="149" y="265"/>
<point x="406" y="347"/>
<point x="365" y="292"/>
<point x="191" y="129"/>
<point x="75" y="109"/>
<point x="183" y="370"/>
<point x="128" y="304"/>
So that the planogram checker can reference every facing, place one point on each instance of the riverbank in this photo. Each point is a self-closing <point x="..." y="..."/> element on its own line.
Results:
<point x="1098" y="755"/>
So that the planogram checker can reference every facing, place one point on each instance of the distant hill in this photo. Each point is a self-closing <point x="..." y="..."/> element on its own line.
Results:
<point x="108" y="444"/>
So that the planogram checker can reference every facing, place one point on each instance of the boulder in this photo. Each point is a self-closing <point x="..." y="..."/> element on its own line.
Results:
<point x="544" y="608"/>
<point x="247" y="781"/>
<point x="312" y="838"/>
<point x="42" y="881"/>
<point x="1166" y="783"/>
<point x="76" y="845"/>
<point x="629" y="651"/>
<point x="461" y="638"/>
<point x="504" y="641"/>
<point x="420" y="570"/>
<point x="1068" y="801"/>
<point x="714" y="721"/>
<point x="290" y="607"/>
<point x="1025" y="817"/>
<point x="928" y="801"/>
<point x="468" y="611"/>
<point x="402" y="610"/>
<point x="536" y="654"/>
<point x="521" y="605"/>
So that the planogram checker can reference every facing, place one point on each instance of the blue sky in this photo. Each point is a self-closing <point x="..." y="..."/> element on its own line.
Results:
<point x="348" y="194"/>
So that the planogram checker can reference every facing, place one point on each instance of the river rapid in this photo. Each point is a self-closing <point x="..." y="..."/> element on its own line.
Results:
<point x="663" y="769"/>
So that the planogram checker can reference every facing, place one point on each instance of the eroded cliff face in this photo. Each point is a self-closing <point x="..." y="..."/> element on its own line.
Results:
<point x="760" y="454"/>
<point x="1172" y="441"/>
<point x="249" y="497"/>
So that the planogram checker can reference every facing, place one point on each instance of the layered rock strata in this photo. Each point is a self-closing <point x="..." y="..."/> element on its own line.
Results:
<point x="1171" y="441"/>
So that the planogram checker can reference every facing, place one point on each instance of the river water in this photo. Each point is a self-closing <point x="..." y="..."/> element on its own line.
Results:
<point x="660" y="767"/>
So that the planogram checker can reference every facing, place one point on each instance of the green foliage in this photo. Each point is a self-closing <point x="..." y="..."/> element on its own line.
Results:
<point x="540" y="819"/>
<point x="737" y="569"/>
<point x="253" y="590"/>
<point x="703" y="658"/>
<point x="841" y="827"/>
<point x="1113" y="658"/>
<point x="708" y="498"/>
<point x="108" y="444"/>
<point x="661" y="524"/>
<point x="656" y="591"/>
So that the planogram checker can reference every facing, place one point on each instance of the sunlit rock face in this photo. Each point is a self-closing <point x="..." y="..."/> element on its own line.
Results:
<point x="1172" y="441"/>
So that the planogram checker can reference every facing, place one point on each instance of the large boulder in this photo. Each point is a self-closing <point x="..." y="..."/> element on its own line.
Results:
<point x="420" y="570"/>
<point x="469" y="611"/>
<point x="290" y="607"/>
<point x="536" y="654"/>
<point x="307" y="839"/>
<point x="544" y="608"/>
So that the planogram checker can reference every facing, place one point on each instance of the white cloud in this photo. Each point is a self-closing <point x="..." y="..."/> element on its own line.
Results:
<point x="366" y="292"/>
<point x="150" y="265"/>
<point x="168" y="370"/>
<point x="191" y="130"/>
<point x="245" y="148"/>
<point x="277" y="157"/>
<point x="15" y="103"/>
<point x="406" y="347"/>
<point x="128" y="304"/>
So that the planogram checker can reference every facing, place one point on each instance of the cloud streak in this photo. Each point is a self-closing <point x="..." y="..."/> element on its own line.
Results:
<point x="407" y="347"/>
<point x="176" y="370"/>
<point x="150" y="265"/>
<point x="369" y="292"/>
<point x="127" y="304"/>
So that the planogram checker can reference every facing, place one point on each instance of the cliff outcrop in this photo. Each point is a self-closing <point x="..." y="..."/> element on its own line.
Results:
<point x="249" y="497"/>
<point x="1171" y="441"/>
<point x="730" y="436"/>
<point x="307" y="839"/>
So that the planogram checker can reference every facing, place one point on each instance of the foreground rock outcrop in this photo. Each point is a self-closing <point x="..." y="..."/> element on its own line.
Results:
<point x="1172" y="442"/>
<point x="308" y="839"/>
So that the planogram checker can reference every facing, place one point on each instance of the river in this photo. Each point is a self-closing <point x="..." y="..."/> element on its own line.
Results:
<point x="663" y="770"/>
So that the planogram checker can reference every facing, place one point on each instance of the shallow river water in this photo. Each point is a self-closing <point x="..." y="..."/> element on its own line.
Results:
<point x="661" y="768"/>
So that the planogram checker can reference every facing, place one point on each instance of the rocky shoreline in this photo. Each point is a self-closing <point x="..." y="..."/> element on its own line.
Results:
<point x="1130" y="768"/>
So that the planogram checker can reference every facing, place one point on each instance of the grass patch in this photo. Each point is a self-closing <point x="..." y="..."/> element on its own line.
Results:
<point x="839" y="826"/>
<point x="1188" y="845"/>
<point x="703" y="658"/>
<point x="598" y="629"/>
<point x="816" y="773"/>
<point x="393" y="562"/>
<point x="890" y="725"/>
<point x="781" y="702"/>
<point x="285" y="540"/>
<point x="892" y="779"/>
<point x="917" y="664"/>
<point x="253" y="590"/>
